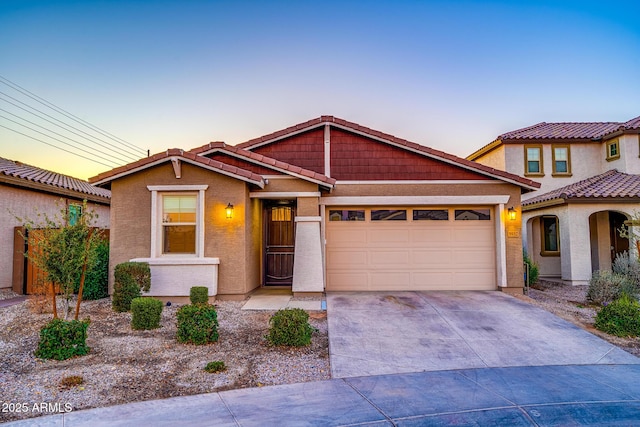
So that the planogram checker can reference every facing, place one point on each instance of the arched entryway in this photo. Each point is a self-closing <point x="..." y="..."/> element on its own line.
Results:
<point x="543" y="244"/>
<point x="606" y="241"/>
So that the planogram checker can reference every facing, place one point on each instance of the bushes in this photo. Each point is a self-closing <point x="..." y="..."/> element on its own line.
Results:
<point x="61" y="340"/>
<point x="606" y="286"/>
<point x="620" y="318"/>
<point x="197" y="324"/>
<point x="627" y="266"/>
<point x="146" y="313"/>
<point x="199" y="295"/>
<point x="215" y="366"/>
<point x="290" y="327"/>
<point x="533" y="268"/>
<point x="130" y="279"/>
<point x="96" y="281"/>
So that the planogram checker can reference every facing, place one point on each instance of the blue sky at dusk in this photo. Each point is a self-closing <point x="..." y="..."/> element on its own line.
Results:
<point x="451" y="75"/>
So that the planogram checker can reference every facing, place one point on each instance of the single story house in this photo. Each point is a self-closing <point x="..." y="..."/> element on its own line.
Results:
<point x="590" y="187"/>
<point x="323" y="205"/>
<point x="25" y="192"/>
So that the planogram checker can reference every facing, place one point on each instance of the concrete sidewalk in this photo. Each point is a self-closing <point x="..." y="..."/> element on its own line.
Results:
<point x="520" y="396"/>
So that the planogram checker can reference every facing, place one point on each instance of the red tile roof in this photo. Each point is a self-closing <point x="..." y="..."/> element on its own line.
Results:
<point x="385" y="137"/>
<point x="264" y="160"/>
<point x="243" y="174"/>
<point x="570" y="130"/>
<point x="611" y="184"/>
<point x="52" y="179"/>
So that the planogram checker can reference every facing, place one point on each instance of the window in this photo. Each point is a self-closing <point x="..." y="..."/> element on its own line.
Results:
<point x="533" y="160"/>
<point x="346" y="215"/>
<point x="613" y="150"/>
<point x="561" y="160"/>
<point x="550" y="236"/>
<point x="389" y="215"/>
<point x="179" y="223"/>
<point x="431" y="214"/>
<point x="75" y="212"/>
<point x="472" y="214"/>
<point x="281" y="213"/>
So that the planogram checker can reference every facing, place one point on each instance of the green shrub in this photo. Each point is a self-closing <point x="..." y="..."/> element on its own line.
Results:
<point x="197" y="324"/>
<point x="620" y="318"/>
<point x="96" y="282"/>
<point x="606" y="286"/>
<point x="61" y="340"/>
<point x="533" y="269"/>
<point x="627" y="266"/>
<point x="290" y="327"/>
<point x="146" y="313"/>
<point x="130" y="279"/>
<point x="199" y="295"/>
<point x="215" y="366"/>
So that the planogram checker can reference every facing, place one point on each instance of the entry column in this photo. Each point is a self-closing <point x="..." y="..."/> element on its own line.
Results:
<point x="308" y="274"/>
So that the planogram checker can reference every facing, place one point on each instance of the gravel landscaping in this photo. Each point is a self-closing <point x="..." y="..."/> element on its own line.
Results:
<point x="126" y="365"/>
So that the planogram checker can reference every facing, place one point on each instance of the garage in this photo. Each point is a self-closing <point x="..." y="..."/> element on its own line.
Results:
<point x="410" y="248"/>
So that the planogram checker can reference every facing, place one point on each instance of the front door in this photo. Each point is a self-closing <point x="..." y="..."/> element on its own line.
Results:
<point x="279" y="238"/>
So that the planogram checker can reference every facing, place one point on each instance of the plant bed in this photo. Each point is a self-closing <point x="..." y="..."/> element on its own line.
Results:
<point x="126" y="365"/>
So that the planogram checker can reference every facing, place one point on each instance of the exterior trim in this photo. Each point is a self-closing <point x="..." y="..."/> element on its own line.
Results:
<point x="327" y="150"/>
<point x="435" y="181"/>
<point x="307" y="219"/>
<point x="413" y="200"/>
<point x="485" y="150"/>
<point x="501" y="249"/>
<point x="179" y="261"/>
<point x="282" y="194"/>
<point x="526" y="160"/>
<point x="545" y="204"/>
<point x="177" y="187"/>
<point x="553" y="160"/>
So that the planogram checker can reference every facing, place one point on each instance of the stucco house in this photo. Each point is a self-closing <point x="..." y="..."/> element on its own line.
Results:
<point x="590" y="176"/>
<point x="26" y="191"/>
<point x="322" y="205"/>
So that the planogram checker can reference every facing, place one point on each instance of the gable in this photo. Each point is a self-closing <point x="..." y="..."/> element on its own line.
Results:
<point x="358" y="158"/>
<point x="243" y="164"/>
<point x="303" y="149"/>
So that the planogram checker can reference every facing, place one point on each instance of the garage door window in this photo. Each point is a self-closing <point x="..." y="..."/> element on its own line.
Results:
<point x="346" y="215"/>
<point x="473" y="214"/>
<point x="389" y="215"/>
<point x="430" y="214"/>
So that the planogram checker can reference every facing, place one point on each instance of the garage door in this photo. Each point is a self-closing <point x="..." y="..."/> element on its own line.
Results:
<point x="410" y="248"/>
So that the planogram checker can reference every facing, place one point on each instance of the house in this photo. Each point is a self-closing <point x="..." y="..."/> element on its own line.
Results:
<point x="322" y="205"/>
<point x="25" y="192"/>
<point x="590" y="176"/>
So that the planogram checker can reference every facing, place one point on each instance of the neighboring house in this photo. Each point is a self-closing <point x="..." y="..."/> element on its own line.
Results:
<point x="323" y="205"/>
<point x="590" y="176"/>
<point x="25" y="192"/>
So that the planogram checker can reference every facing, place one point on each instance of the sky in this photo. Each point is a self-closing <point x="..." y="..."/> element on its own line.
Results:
<point x="452" y="75"/>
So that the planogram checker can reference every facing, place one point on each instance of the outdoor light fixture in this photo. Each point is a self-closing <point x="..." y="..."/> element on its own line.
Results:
<point x="512" y="213"/>
<point x="229" y="210"/>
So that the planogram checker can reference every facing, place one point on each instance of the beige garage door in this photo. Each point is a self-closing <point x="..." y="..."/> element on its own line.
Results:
<point x="410" y="248"/>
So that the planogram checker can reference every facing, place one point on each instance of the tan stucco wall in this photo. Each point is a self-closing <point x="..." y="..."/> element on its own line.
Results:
<point x="224" y="238"/>
<point x="24" y="203"/>
<point x="308" y="206"/>
<point x="513" y="241"/>
<point x="290" y="184"/>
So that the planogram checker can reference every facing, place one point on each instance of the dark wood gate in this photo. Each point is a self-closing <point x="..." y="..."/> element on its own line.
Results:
<point x="279" y="239"/>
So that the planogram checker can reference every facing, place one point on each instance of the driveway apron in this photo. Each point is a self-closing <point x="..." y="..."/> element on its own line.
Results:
<point x="377" y="333"/>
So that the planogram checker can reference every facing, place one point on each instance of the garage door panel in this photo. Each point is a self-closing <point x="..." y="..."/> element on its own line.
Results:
<point x="411" y="255"/>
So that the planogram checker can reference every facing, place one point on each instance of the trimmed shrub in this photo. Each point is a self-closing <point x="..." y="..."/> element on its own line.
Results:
<point x="620" y="318"/>
<point x="215" y="366"/>
<point x="146" y="313"/>
<point x="606" y="286"/>
<point x="130" y="279"/>
<point x="96" y="282"/>
<point x="199" y="295"/>
<point x="61" y="340"/>
<point x="197" y="324"/>
<point x="533" y="269"/>
<point x="290" y="327"/>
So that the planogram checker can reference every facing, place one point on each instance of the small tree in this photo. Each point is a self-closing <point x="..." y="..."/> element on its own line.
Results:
<point x="65" y="249"/>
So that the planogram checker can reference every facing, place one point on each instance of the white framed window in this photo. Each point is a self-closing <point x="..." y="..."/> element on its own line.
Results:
<point x="177" y="220"/>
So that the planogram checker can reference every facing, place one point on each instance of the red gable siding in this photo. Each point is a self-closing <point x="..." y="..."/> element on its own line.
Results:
<point x="304" y="150"/>
<point x="357" y="158"/>
<point x="243" y="164"/>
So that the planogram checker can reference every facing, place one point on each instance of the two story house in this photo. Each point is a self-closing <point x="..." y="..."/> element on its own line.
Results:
<point x="590" y="176"/>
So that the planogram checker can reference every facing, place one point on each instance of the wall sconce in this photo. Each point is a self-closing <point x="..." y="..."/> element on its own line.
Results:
<point x="229" y="210"/>
<point x="512" y="213"/>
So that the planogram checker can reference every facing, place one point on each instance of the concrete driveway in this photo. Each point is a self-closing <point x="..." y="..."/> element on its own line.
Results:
<point x="376" y="333"/>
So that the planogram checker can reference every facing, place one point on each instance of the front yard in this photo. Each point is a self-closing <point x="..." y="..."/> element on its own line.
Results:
<point x="126" y="365"/>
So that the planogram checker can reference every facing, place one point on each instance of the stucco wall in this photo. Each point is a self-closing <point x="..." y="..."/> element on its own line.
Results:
<point x="25" y="203"/>
<point x="224" y="238"/>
